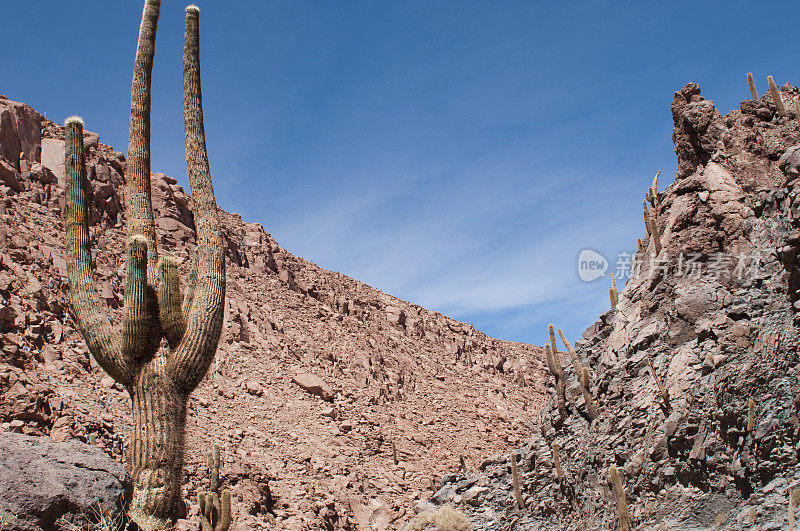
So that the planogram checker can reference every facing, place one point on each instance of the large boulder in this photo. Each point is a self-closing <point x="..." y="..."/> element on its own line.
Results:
<point x="44" y="481"/>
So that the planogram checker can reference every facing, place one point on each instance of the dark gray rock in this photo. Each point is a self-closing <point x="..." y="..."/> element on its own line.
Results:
<point x="44" y="481"/>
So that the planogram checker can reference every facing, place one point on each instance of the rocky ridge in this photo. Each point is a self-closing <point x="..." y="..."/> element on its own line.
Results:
<point x="714" y="318"/>
<point x="319" y="380"/>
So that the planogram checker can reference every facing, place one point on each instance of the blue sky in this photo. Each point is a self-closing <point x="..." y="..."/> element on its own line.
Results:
<point x="456" y="154"/>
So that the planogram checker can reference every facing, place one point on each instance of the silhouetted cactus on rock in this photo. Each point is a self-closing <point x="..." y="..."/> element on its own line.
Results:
<point x="752" y="86"/>
<point x="167" y="341"/>
<point x="775" y="92"/>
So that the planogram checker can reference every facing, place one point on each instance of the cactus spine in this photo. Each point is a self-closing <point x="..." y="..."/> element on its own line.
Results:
<point x="622" y="504"/>
<point x="752" y="86"/>
<point x="159" y="376"/>
<point x="775" y="92"/>
<point x="613" y="292"/>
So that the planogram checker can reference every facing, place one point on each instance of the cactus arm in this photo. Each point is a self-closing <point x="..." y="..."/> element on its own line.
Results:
<point x="137" y="317"/>
<point x="139" y="208"/>
<point x="191" y="359"/>
<point x="191" y="282"/>
<point x="169" y="301"/>
<point x="101" y="339"/>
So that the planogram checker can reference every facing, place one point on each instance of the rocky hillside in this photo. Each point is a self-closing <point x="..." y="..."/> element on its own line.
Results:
<point x="713" y="319"/>
<point x="336" y="406"/>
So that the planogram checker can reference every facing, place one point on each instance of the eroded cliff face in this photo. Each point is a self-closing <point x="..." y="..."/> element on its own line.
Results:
<point x="316" y="379"/>
<point x="715" y="314"/>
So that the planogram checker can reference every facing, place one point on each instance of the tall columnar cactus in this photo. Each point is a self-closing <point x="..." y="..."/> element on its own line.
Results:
<point x="167" y="340"/>
<point x="652" y="192"/>
<point x="613" y="292"/>
<point x="215" y="508"/>
<point x="622" y="503"/>
<point x="557" y="461"/>
<point x="516" y="482"/>
<point x="662" y="391"/>
<point x="646" y="215"/>
<point x="558" y="374"/>
<point x="591" y="406"/>
<point x="654" y="232"/>
<point x="752" y="86"/>
<point x="794" y="500"/>
<point x="797" y="111"/>
<point x="775" y="92"/>
<point x="582" y="375"/>
<point x="576" y="362"/>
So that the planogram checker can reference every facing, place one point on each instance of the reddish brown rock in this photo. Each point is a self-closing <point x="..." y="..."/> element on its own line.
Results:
<point x="314" y="385"/>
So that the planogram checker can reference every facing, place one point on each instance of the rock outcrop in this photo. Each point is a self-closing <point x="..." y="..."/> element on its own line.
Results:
<point x="713" y="318"/>
<point x="394" y="375"/>
<point x="47" y="485"/>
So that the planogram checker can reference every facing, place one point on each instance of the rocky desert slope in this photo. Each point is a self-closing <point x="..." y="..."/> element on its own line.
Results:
<point x="713" y="319"/>
<point x="336" y="406"/>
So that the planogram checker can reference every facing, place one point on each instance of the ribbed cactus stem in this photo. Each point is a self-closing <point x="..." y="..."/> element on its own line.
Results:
<point x="662" y="391"/>
<point x="558" y="375"/>
<point x="137" y="317"/>
<point x="225" y="512"/>
<point x="591" y="407"/>
<point x="101" y="339"/>
<point x="576" y="363"/>
<point x="213" y="467"/>
<point x="169" y="301"/>
<point x="215" y="509"/>
<point x="646" y="216"/>
<point x="551" y="332"/>
<point x="613" y="293"/>
<point x="654" y="232"/>
<point x="159" y="379"/>
<point x="652" y="192"/>
<point x="557" y="461"/>
<point x="752" y="85"/>
<point x="797" y="111"/>
<point x="622" y="503"/>
<point x="515" y="480"/>
<point x="794" y="500"/>
<point x="775" y="92"/>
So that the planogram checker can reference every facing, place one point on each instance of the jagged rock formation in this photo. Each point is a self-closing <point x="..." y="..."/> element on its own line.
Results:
<point x="49" y="485"/>
<point x="317" y="376"/>
<point x="715" y="316"/>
